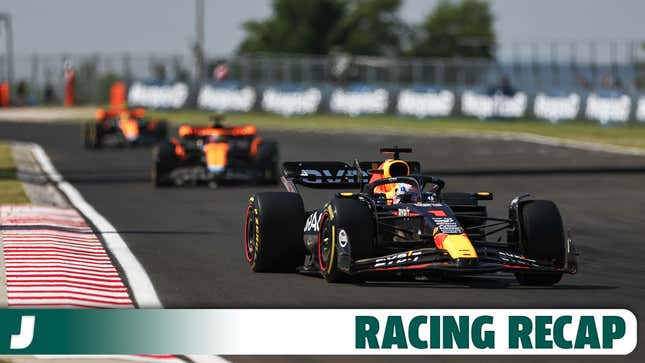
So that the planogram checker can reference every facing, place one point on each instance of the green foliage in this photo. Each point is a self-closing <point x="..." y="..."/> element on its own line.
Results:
<point x="296" y="27"/>
<point x="371" y="27"/>
<point x="11" y="191"/>
<point x="456" y="29"/>
<point x="321" y="26"/>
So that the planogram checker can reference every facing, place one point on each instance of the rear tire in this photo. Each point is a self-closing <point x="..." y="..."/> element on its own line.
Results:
<point x="165" y="160"/>
<point x="89" y="134"/>
<point x="273" y="232"/>
<point x="162" y="130"/>
<point x="542" y="240"/>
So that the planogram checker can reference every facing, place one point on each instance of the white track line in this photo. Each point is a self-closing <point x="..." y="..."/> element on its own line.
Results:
<point x="140" y="285"/>
<point x="549" y="141"/>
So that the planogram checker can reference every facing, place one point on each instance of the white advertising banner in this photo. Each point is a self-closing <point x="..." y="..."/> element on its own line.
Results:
<point x="226" y="99"/>
<point x="361" y="102"/>
<point x="640" y="109"/>
<point x="289" y="103"/>
<point x="608" y="109"/>
<point x="158" y="95"/>
<point x="498" y="105"/>
<point x="556" y="108"/>
<point x="427" y="103"/>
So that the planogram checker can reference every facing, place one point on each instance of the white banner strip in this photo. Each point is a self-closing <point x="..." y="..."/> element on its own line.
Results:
<point x="422" y="331"/>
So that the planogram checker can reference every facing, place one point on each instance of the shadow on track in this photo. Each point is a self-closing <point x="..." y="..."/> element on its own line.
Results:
<point x="491" y="282"/>
<point x="488" y="282"/>
<point x="126" y="176"/>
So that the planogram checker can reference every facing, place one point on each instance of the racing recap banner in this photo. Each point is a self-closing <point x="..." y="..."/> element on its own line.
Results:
<point x="318" y="331"/>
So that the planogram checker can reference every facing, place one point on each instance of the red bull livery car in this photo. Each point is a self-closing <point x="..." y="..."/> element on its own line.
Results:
<point x="398" y="224"/>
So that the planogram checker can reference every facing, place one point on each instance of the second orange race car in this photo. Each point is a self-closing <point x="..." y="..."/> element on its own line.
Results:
<point x="215" y="155"/>
<point x="120" y="128"/>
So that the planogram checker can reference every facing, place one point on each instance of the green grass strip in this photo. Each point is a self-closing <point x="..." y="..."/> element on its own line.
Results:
<point x="11" y="191"/>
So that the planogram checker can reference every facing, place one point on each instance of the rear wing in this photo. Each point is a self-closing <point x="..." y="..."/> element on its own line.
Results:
<point x="197" y="131"/>
<point x="331" y="174"/>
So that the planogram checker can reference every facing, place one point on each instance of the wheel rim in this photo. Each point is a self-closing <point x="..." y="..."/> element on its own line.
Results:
<point x="249" y="234"/>
<point x="325" y="240"/>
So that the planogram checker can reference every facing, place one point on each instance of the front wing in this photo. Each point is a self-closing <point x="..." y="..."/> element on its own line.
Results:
<point x="433" y="259"/>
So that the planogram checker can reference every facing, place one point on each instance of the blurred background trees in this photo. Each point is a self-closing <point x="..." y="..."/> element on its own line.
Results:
<point x="371" y="27"/>
<point x="462" y="29"/>
<point x="295" y="26"/>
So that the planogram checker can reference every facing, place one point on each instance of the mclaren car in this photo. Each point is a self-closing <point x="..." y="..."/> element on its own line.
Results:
<point x="215" y="155"/>
<point x="387" y="220"/>
<point x="121" y="128"/>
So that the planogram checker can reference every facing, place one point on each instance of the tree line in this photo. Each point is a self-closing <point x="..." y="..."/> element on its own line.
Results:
<point x="371" y="27"/>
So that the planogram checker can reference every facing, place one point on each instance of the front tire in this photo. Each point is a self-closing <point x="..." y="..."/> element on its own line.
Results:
<point x="349" y="225"/>
<point x="273" y="232"/>
<point x="542" y="240"/>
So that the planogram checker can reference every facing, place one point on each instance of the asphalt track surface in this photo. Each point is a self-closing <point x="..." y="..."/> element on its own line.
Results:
<point x="189" y="240"/>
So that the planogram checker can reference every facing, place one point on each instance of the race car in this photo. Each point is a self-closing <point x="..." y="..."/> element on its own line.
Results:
<point x="397" y="223"/>
<point x="215" y="155"/>
<point x="120" y="128"/>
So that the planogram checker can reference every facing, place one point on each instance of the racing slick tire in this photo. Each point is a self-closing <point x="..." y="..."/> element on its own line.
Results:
<point x="165" y="161"/>
<point x="161" y="131"/>
<point x="267" y="162"/>
<point x="90" y="137"/>
<point x="542" y="240"/>
<point x="350" y="223"/>
<point x="273" y="232"/>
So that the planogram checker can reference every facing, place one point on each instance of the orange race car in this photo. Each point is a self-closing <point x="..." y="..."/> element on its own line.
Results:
<point x="215" y="155"/>
<point x="119" y="128"/>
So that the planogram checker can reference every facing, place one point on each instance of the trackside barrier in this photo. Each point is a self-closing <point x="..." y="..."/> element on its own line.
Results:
<point x="640" y="109"/>
<point x="555" y="108"/>
<point x="361" y="100"/>
<point x="485" y="106"/>
<point x="226" y="98"/>
<point x="424" y="103"/>
<point x="288" y="102"/>
<point x="158" y="95"/>
<point x="610" y="108"/>
<point x="604" y="106"/>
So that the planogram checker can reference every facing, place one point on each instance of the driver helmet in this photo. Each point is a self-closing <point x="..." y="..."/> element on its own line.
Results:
<point x="216" y="121"/>
<point x="404" y="193"/>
